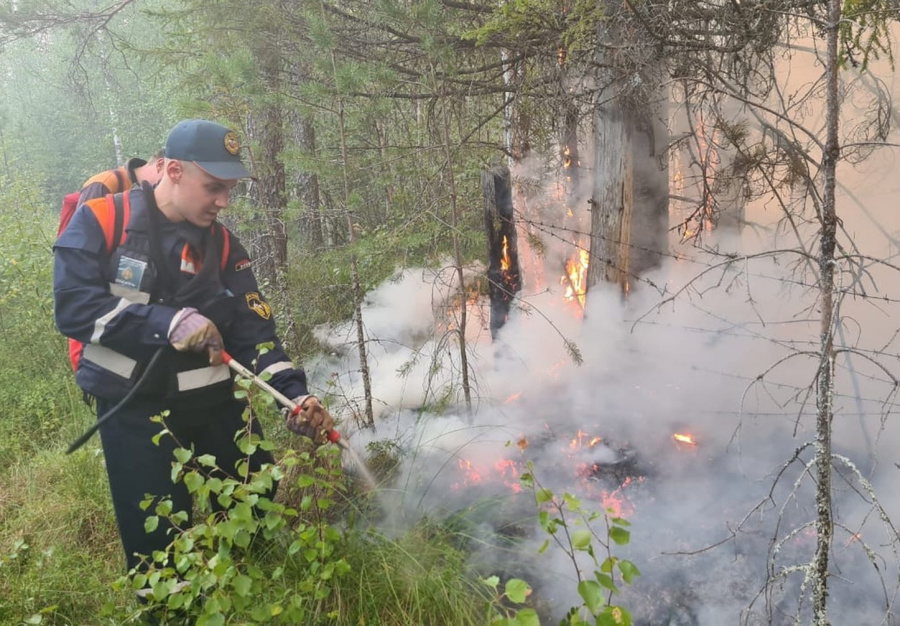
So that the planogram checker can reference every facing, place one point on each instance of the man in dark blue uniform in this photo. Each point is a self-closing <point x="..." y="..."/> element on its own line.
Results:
<point x="154" y="270"/>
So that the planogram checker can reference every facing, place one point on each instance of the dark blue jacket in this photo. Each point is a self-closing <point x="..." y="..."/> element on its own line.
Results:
<point x="121" y="304"/>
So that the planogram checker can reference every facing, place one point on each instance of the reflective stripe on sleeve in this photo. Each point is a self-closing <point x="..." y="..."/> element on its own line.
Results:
<point x="100" y="324"/>
<point x="132" y="295"/>
<point x="108" y="359"/>
<point x="280" y="366"/>
<point x="203" y="377"/>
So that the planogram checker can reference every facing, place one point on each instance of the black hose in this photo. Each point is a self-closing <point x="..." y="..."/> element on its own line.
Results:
<point x="157" y="358"/>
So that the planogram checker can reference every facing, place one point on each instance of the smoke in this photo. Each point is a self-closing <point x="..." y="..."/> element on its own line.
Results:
<point x="726" y="352"/>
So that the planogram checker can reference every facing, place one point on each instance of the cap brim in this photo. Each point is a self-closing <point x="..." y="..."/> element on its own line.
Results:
<point x="225" y="170"/>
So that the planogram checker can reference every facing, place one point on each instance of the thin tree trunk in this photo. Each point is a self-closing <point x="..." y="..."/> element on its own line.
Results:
<point x="825" y="379"/>
<point x="457" y="253"/>
<point x="354" y="266"/>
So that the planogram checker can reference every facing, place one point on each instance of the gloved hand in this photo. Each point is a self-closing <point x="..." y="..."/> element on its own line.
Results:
<point x="313" y="419"/>
<point x="192" y="332"/>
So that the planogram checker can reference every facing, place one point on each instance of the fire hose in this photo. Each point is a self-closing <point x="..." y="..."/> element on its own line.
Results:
<point x="333" y="435"/>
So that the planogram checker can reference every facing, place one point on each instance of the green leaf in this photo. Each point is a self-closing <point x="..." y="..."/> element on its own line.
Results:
<point x="208" y="460"/>
<point x="527" y="617"/>
<point x="607" y="566"/>
<point x="182" y="455"/>
<point x="606" y="581"/>
<point x="619" y="535"/>
<point x="629" y="571"/>
<point x="614" y="616"/>
<point x="517" y="590"/>
<point x="491" y="581"/>
<point x="242" y="584"/>
<point x="581" y="539"/>
<point x="620" y="521"/>
<point x="592" y="594"/>
<point x="572" y="502"/>
<point x="151" y="524"/>
<point x="193" y="481"/>
<point x="543" y="495"/>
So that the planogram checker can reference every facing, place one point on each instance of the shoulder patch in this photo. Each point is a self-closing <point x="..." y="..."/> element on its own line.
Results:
<point x="259" y="306"/>
<point x="242" y="265"/>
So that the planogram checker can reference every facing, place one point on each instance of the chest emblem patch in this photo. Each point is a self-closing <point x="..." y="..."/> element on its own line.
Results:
<point x="258" y="305"/>
<point x="130" y="272"/>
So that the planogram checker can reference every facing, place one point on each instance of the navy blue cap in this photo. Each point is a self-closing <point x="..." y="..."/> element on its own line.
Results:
<point x="214" y="148"/>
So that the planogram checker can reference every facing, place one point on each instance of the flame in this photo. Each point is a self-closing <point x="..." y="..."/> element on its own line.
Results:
<point x="470" y="473"/>
<point x="684" y="438"/>
<point x="504" y="259"/>
<point x="508" y="469"/>
<point x="512" y="398"/>
<point x="576" y="277"/>
<point x="580" y="437"/>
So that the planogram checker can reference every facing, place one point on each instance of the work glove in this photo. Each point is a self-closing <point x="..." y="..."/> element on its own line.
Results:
<point x="312" y="420"/>
<point x="192" y="332"/>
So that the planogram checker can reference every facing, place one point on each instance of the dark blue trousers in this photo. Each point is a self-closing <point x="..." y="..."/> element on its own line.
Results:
<point x="136" y="466"/>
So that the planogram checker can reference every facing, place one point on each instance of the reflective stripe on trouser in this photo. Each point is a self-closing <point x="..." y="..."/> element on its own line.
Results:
<point x="136" y="466"/>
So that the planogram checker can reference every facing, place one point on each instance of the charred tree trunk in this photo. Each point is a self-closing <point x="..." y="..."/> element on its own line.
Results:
<point x="568" y="136"/>
<point x="650" y="213"/>
<point x="503" y="256"/>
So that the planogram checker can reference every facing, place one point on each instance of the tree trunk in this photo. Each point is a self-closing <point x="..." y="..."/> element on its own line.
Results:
<point x="611" y="202"/>
<point x="503" y="257"/>
<point x="306" y="188"/>
<point x="825" y="378"/>
<point x="649" y="133"/>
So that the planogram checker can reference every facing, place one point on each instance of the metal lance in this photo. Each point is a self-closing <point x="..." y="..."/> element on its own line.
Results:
<point x="333" y="435"/>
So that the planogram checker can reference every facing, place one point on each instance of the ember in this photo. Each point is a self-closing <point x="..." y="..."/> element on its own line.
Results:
<point x="684" y="438"/>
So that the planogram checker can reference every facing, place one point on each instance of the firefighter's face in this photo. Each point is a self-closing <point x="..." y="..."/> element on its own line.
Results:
<point x="199" y="196"/>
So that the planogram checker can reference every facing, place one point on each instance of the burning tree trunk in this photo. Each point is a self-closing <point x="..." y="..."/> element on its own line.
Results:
<point x="503" y="269"/>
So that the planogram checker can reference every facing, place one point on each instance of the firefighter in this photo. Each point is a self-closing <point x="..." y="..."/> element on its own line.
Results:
<point x="132" y="174"/>
<point x="177" y="281"/>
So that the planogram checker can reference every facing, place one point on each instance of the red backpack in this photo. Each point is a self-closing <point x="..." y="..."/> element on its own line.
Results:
<point x="70" y="201"/>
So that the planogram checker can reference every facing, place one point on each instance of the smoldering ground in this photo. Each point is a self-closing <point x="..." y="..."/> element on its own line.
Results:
<point x="714" y="524"/>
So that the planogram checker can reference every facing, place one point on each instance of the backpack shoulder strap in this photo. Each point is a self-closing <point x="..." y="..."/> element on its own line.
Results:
<point x="122" y="209"/>
<point x="222" y="234"/>
<point x="121" y="174"/>
<point x="112" y="213"/>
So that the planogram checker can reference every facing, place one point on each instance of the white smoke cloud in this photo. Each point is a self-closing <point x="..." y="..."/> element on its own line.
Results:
<point x="730" y="361"/>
